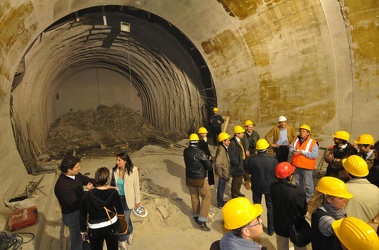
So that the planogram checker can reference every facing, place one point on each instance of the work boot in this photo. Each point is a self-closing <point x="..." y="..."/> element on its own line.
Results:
<point x="203" y="226"/>
<point x="248" y="185"/>
<point x="122" y="245"/>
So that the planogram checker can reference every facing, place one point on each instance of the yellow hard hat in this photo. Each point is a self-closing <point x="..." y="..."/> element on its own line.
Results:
<point x="334" y="187"/>
<point x="202" y="130"/>
<point x="193" y="137"/>
<point x="355" y="234"/>
<point x="262" y="144"/>
<point x="238" y="129"/>
<point x="223" y="136"/>
<point x="215" y="109"/>
<point x="249" y="122"/>
<point x="355" y="165"/>
<point x="306" y="127"/>
<point x="238" y="212"/>
<point x="365" y="139"/>
<point x="343" y="135"/>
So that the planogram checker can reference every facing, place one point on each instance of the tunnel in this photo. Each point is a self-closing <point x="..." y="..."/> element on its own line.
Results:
<point x="314" y="61"/>
<point x="104" y="56"/>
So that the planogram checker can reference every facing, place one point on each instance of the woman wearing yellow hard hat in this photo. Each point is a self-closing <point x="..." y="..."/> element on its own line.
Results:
<point x="243" y="219"/>
<point x="326" y="206"/>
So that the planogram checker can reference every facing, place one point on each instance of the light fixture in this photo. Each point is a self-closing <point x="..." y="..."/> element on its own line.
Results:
<point x="125" y="27"/>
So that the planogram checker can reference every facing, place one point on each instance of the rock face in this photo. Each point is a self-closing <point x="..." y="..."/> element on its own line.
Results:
<point x="100" y="128"/>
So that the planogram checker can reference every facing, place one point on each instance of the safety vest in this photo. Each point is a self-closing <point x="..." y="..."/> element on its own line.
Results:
<point x="301" y="160"/>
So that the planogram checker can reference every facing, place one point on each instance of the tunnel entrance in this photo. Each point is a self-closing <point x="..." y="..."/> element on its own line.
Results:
<point x="146" y="58"/>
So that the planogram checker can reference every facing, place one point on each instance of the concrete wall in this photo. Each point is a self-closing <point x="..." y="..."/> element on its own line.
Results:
<point x="314" y="61"/>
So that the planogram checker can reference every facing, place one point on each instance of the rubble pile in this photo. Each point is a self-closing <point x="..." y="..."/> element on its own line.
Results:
<point x="100" y="128"/>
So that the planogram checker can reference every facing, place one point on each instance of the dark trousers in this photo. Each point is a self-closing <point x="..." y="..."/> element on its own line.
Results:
<point x="211" y="177"/>
<point x="109" y="234"/>
<point x="257" y="199"/>
<point x="220" y="191"/>
<point x="236" y="186"/>
<point x="282" y="153"/>
<point x="215" y="131"/>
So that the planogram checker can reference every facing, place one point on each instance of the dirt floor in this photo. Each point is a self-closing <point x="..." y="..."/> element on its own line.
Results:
<point x="96" y="136"/>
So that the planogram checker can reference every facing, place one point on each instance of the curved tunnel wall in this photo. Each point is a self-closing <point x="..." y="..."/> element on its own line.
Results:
<point x="164" y="75"/>
<point x="313" y="61"/>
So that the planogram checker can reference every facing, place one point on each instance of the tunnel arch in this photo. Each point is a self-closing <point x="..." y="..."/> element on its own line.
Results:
<point x="161" y="63"/>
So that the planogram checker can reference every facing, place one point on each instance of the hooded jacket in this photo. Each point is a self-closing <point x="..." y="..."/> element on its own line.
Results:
<point x="93" y="203"/>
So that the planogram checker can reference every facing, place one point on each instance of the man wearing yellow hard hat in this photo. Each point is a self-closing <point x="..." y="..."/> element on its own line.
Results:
<point x="304" y="154"/>
<point x="365" y="204"/>
<point x="237" y="158"/>
<point x="249" y="142"/>
<point x="341" y="149"/>
<point x="197" y="163"/>
<point x="242" y="218"/>
<point x="215" y="122"/>
<point x="365" y="144"/>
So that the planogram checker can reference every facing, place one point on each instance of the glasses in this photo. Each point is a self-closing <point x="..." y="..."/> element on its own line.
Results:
<point x="256" y="223"/>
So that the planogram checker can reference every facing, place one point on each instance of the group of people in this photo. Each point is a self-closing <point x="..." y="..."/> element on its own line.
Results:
<point x="342" y="214"/>
<point x="100" y="212"/>
<point x="287" y="183"/>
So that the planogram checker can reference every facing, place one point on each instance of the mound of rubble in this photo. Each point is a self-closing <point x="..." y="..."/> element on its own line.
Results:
<point x="100" y="128"/>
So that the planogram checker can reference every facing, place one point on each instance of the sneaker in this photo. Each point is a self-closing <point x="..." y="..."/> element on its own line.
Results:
<point x="140" y="211"/>
<point x="122" y="245"/>
<point x="203" y="226"/>
<point x="129" y="239"/>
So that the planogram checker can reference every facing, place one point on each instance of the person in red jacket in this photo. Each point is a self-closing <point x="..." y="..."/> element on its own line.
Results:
<point x="304" y="154"/>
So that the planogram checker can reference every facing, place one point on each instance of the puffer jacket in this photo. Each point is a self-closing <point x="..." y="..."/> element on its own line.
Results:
<point x="196" y="162"/>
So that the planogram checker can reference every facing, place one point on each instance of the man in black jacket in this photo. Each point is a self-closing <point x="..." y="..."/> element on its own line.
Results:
<point x="341" y="149"/>
<point x="289" y="204"/>
<point x="69" y="190"/>
<point x="237" y="160"/>
<point x="197" y="163"/>
<point x="262" y="170"/>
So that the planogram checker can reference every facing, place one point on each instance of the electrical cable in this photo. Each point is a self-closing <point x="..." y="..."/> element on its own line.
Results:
<point x="13" y="240"/>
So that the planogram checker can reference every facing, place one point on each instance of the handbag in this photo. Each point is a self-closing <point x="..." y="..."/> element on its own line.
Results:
<point x="300" y="233"/>
<point x="123" y="225"/>
<point x="123" y="228"/>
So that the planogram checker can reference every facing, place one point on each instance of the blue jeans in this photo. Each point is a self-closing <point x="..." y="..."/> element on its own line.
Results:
<point x="128" y="220"/>
<point x="72" y="222"/>
<point x="257" y="199"/>
<point x="220" y="191"/>
<point x="305" y="175"/>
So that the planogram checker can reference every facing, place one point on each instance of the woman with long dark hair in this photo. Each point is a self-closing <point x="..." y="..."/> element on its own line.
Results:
<point x="125" y="177"/>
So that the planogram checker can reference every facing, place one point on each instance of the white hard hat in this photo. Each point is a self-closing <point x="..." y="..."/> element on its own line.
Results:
<point x="282" y="119"/>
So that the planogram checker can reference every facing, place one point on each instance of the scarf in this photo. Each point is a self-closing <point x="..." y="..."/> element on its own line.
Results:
<point x="335" y="212"/>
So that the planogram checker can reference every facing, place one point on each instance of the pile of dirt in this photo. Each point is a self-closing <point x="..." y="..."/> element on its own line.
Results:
<point x="98" y="130"/>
